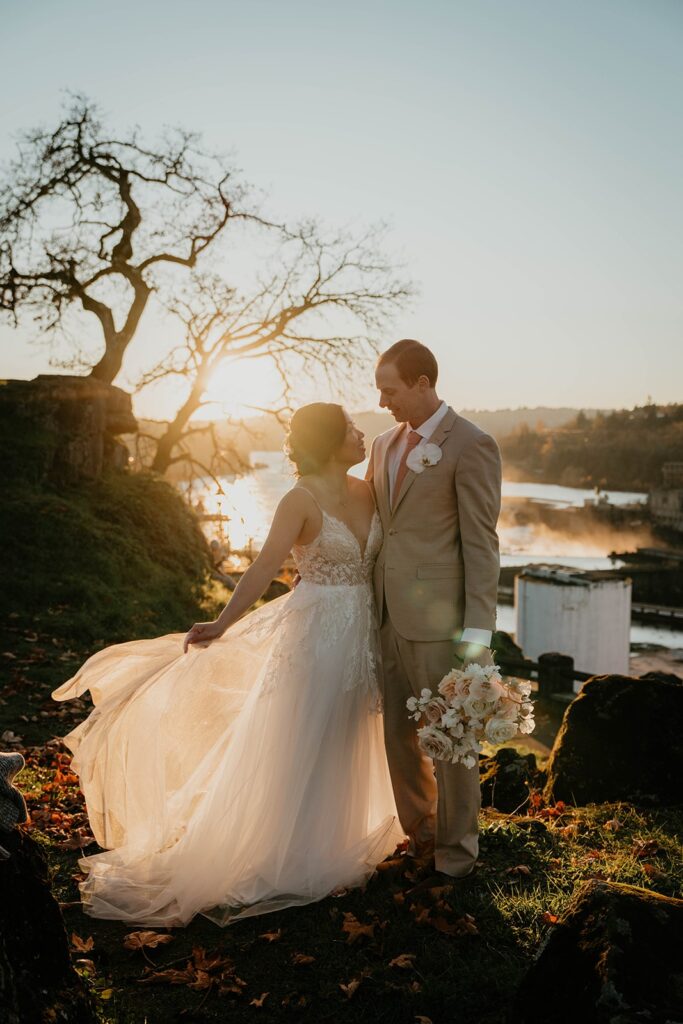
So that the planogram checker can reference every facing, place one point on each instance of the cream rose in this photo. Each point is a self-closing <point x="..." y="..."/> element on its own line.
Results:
<point x="435" y="710"/>
<point x="434" y="743"/>
<point x="486" y="689"/>
<point x="499" y="730"/>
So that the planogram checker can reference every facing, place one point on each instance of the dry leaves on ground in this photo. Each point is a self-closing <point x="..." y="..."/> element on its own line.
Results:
<point x="79" y="945"/>
<point x="405" y="961"/>
<point x="57" y="808"/>
<point x="355" y="929"/>
<point x="518" y="869"/>
<point x="441" y="918"/>
<point x="203" y="971"/>
<point x="302" y="959"/>
<point x="146" y="940"/>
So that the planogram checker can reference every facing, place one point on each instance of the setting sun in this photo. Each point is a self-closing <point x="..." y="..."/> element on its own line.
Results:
<point x="241" y="388"/>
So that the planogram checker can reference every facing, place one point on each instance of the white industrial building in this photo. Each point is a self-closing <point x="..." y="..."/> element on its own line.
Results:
<point x="586" y="615"/>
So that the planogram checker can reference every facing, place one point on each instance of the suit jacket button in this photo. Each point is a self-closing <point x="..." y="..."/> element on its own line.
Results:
<point x="392" y="532"/>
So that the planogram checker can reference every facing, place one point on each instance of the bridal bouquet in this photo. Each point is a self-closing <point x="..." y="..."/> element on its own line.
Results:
<point x="473" y="704"/>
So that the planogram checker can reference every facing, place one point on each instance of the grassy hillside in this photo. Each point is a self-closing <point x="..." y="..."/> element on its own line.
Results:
<point x="117" y="559"/>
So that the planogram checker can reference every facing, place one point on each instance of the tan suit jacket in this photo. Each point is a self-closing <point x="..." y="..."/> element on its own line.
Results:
<point x="439" y="564"/>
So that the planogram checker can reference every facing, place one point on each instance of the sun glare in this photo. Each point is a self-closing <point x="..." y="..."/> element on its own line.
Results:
<point x="240" y="389"/>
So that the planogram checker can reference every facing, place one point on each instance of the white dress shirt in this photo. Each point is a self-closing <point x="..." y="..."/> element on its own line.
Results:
<point x="426" y="429"/>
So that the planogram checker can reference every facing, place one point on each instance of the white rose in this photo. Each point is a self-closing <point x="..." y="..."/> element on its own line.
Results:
<point x="527" y="725"/>
<point x="434" y="743"/>
<point x="475" y="708"/>
<point x="499" y="730"/>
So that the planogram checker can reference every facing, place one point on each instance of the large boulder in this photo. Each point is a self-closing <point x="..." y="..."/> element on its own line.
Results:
<point x="614" y="957"/>
<point x="63" y="428"/>
<point x="37" y="980"/>
<point x="620" y="739"/>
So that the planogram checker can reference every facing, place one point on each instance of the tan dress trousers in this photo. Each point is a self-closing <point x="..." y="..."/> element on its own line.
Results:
<point x="438" y="803"/>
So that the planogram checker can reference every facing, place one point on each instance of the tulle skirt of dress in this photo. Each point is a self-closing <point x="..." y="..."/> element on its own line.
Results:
<point x="239" y="778"/>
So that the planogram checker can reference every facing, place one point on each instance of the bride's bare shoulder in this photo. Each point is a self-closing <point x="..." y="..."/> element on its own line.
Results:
<point x="301" y="497"/>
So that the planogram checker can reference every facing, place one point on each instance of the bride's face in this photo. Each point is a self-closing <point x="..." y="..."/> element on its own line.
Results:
<point x="352" y="450"/>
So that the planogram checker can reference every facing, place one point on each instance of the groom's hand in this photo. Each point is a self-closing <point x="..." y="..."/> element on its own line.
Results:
<point x="465" y="654"/>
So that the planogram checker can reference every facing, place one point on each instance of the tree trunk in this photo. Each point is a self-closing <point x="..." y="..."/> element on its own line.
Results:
<point x="175" y="430"/>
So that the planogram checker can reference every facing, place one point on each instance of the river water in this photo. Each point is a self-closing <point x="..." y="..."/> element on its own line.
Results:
<point x="250" y="501"/>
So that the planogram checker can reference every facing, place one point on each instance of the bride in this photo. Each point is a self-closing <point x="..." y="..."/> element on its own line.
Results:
<point x="240" y="769"/>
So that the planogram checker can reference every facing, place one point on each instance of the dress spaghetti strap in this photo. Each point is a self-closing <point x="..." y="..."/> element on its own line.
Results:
<point x="299" y="487"/>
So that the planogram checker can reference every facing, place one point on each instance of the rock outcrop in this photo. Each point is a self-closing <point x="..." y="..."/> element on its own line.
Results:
<point x="620" y="739"/>
<point x="614" y="957"/>
<point x="37" y="980"/>
<point x="506" y="778"/>
<point x="63" y="429"/>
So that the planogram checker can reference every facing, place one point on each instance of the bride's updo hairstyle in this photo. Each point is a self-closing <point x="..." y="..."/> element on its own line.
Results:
<point x="316" y="432"/>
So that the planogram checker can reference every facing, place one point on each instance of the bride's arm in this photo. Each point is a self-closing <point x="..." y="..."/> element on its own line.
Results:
<point x="288" y="522"/>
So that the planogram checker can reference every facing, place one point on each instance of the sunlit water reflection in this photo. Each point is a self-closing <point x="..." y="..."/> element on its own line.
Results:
<point x="250" y="502"/>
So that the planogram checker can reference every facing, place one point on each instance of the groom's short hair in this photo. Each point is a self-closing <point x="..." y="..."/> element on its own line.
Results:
<point x="412" y="359"/>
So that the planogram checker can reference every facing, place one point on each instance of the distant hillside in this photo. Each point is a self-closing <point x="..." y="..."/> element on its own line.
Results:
<point x="624" y="449"/>
<point x="264" y="433"/>
<point x="499" y="422"/>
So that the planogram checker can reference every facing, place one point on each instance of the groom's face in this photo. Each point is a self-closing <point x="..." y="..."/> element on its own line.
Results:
<point x="401" y="399"/>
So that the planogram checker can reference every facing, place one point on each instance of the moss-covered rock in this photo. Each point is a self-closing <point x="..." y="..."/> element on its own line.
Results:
<point x="614" y="957"/>
<point x="620" y="739"/>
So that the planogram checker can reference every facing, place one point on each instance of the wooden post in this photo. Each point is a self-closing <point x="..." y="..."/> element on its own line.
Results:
<point x="555" y="674"/>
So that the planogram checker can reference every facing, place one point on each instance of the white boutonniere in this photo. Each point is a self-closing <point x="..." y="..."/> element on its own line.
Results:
<point x="422" y="456"/>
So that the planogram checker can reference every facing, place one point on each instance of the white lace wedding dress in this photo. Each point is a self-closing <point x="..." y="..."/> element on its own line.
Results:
<point x="246" y="776"/>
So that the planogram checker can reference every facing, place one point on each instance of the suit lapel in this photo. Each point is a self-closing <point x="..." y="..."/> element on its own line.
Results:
<point x="438" y="437"/>
<point x="383" y="476"/>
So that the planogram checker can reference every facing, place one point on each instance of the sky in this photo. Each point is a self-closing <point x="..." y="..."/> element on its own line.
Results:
<point x="526" y="154"/>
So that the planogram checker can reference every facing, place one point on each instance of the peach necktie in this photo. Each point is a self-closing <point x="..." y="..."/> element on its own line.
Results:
<point x="412" y="441"/>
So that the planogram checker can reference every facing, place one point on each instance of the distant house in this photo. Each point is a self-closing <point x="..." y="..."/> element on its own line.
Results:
<point x="666" y="502"/>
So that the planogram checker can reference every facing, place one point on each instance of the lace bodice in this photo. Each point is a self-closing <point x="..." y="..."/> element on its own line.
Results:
<point x="335" y="557"/>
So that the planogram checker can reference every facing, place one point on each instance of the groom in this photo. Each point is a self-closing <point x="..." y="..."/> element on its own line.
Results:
<point x="436" y="586"/>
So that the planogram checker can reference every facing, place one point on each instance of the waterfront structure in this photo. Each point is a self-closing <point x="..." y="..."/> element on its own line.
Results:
<point x="586" y="615"/>
<point x="666" y="502"/>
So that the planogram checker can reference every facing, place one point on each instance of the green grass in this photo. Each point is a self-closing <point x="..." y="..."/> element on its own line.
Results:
<point x="530" y="865"/>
